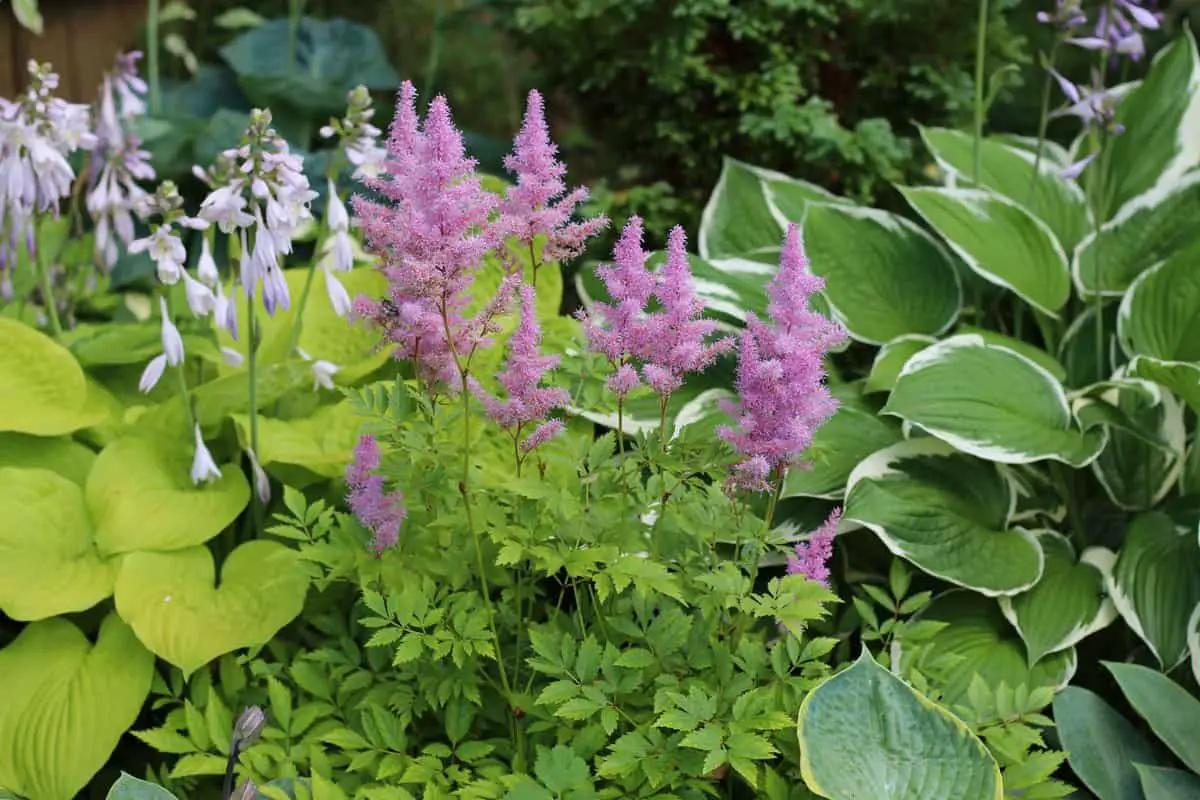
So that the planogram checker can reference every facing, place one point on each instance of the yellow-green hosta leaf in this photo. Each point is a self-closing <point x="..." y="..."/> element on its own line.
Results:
<point x="49" y="564"/>
<point x="59" y="454"/>
<point x="67" y="702"/>
<point x="42" y="386"/>
<point x="867" y="735"/>
<point x="141" y="497"/>
<point x="323" y="442"/>
<point x="177" y="608"/>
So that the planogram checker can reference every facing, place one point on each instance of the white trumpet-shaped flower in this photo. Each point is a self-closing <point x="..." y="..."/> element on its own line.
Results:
<point x="339" y="298"/>
<point x="172" y="342"/>
<point x="203" y="467"/>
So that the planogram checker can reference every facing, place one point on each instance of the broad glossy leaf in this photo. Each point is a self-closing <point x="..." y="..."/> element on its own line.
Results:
<point x="1160" y="314"/>
<point x="946" y="512"/>
<point x="838" y="446"/>
<point x="1077" y="351"/>
<point x="42" y="386"/>
<point x="986" y="645"/>
<point x="1068" y="604"/>
<point x="1193" y="640"/>
<point x="323" y="442"/>
<point x="216" y="400"/>
<point x="791" y="197"/>
<point x="1000" y="240"/>
<point x="1150" y="228"/>
<point x="891" y="358"/>
<point x="67" y="703"/>
<point x="177" y="609"/>
<point x="864" y="733"/>
<point x="1164" y="783"/>
<point x="1034" y="353"/>
<point x="1008" y="171"/>
<point x="1170" y="710"/>
<point x="59" y="454"/>
<point x="1138" y="470"/>
<point x="1155" y="583"/>
<point x="737" y="217"/>
<point x="1162" y="135"/>
<point x="128" y="787"/>
<point x="884" y="276"/>
<point x="141" y="497"/>
<point x="1180" y="377"/>
<point x="992" y="402"/>
<point x="1102" y="746"/>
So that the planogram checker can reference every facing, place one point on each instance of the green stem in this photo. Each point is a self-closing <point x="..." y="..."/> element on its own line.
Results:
<point x="152" y="54"/>
<point x="295" y="9"/>
<point x="298" y="322"/>
<point x="43" y="270"/>
<point x="184" y="394"/>
<point x="1043" y="124"/>
<point x="980" y="45"/>
<point x="252" y="375"/>
<point x="1096" y="190"/>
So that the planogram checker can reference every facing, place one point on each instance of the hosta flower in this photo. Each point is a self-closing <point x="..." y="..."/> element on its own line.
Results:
<point x="200" y="298"/>
<point x="172" y="342"/>
<point x="166" y="250"/>
<point x="359" y="139"/>
<point x="206" y="266"/>
<point x="1068" y="16"/>
<point x="203" y="467"/>
<point x="262" y="483"/>
<point x="339" y="298"/>
<point x="1095" y="106"/>
<point x="1119" y="26"/>
<point x="323" y="371"/>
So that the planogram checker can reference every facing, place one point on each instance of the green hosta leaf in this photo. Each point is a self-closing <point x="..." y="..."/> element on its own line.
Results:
<point x="42" y="386"/>
<point x="1102" y="747"/>
<point x="174" y="605"/>
<point x="1077" y="352"/>
<point x="48" y="559"/>
<point x="1160" y="314"/>
<point x="864" y="733"/>
<point x="1180" y="377"/>
<point x="1147" y="230"/>
<point x="1000" y="240"/>
<point x="1155" y="583"/>
<point x="738" y="218"/>
<point x="67" y="703"/>
<point x="141" y="497"/>
<point x="947" y="513"/>
<point x="891" y="358"/>
<point x="839" y="445"/>
<point x="1164" y="783"/>
<point x="57" y="454"/>
<point x="731" y="287"/>
<point x="984" y="644"/>
<point x="1035" y="354"/>
<point x="790" y="197"/>
<point x="992" y="402"/>
<point x="1162" y="138"/>
<point x="884" y="276"/>
<point x="1137" y="471"/>
<point x="322" y="442"/>
<point x="128" y="787"/>
<point x="1008" y="171"/>
<point x="1170" y="710"/>
<point x="1068" y="604"/>
<point x="1193" y="640"/>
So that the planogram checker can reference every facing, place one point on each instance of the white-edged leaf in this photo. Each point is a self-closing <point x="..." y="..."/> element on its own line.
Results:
<point x="1180" y="377"/>
<point x="737" y="217"/>
<point x="1193" y="641"/>
<point x="1135" y="470"/>
<point x="891" y="358"/>
<point x="838" y="446"/>
<point x="1159" y="315"/>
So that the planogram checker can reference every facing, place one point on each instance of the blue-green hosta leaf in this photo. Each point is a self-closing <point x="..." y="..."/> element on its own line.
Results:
<point x="946" y="512"/>
<point x="42" y="386"/>
<point x="1008" y="171"/>
<point x="128" y="787"/>
<point x="1164" y="783"/>
<point x="49" y="564"/>
<point x="141" y="497"/>
<point x="323" y="442"/>
<point x="1102" y="746"/>
<point x="983" y="643"/>
<point x="59" y="454"/>
<point x="174" y="605"/>
<point x="891" y="358"/>
<point x="1138" y="470"/>
<point x="838" y="446"/>
<point x="1155" y="583"/>
<point x="1193" y="641"/>
<point x="1068" y="604"/>
<point x="1170" y="710"/>
<point x="1159" y="316"/>
<point x="864" y="733"/>
<point x="1150" y="228"/>
<point x="1000" y="240"/>
<point x="884" y="276"/>
<point x="1162" y="126"/>
<point x="738" y="218"/>
<point x="992" y="402"/>
<point x="66" y="704"/>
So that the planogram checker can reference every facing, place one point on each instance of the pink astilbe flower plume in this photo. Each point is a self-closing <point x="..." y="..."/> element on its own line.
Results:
<point x="812" y="557"/>
<point x="431" y="238"/>
<point x="381" y="512"/>
<point x="783" y="398"/>
<point x="539" y="204"/>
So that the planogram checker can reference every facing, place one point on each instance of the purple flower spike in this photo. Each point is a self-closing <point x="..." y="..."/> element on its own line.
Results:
<point x="381" y="512"/>
<point x="812" y="557"/>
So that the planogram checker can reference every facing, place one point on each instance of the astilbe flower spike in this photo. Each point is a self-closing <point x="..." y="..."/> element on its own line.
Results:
<point x="811" y="557"/>
<point x="528" y="402"/>
<point x="381" y="512"/>
<point x="783" y="398"/>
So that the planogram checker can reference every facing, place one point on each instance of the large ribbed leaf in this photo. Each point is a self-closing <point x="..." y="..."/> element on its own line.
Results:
<point x="42" y="387"/>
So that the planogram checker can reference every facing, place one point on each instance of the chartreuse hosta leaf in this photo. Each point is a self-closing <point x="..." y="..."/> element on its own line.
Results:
<point x="884" y="276"/>
<point x="1162" y="126"/>
<point x="66" y="704"/>
<point x="1155" y="583"/>
<point x="946" y="512"/>
<point x="49" y="564"/>
<point x="322" y="442"/>
<point x="992" y="402"/>
<point x="177" y="608"/>
<point x="984" y="644"/>
<point x="1068" y="604"/>
<point x="59" y="454"/>
<point x="864" y="733"/>
<point x="1008" y="171"/>
<point x="1102" y="746"/>
<point x="1164" y="783"/>
<point x="42" y="386"/>
<point x="1150" y="228"/>
<point x="1000" y="240"/>
<point x="1170" y="710"/>
<point x="141" y="497"/>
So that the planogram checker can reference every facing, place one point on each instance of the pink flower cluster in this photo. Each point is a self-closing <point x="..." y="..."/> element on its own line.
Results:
<point x="667" y="344"/>
<point x="380" y="511"/>
<point x="783" y="399"/>
<point x="812" y="557"/>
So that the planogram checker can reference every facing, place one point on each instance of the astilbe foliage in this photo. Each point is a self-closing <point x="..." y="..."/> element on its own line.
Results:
<point x="782" y="396"/>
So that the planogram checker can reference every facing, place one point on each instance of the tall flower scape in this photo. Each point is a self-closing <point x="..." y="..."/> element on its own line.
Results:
<point x="434" y="235"/>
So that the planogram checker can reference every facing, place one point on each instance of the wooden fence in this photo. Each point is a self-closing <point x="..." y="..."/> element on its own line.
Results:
<point x="80" y="39"/>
